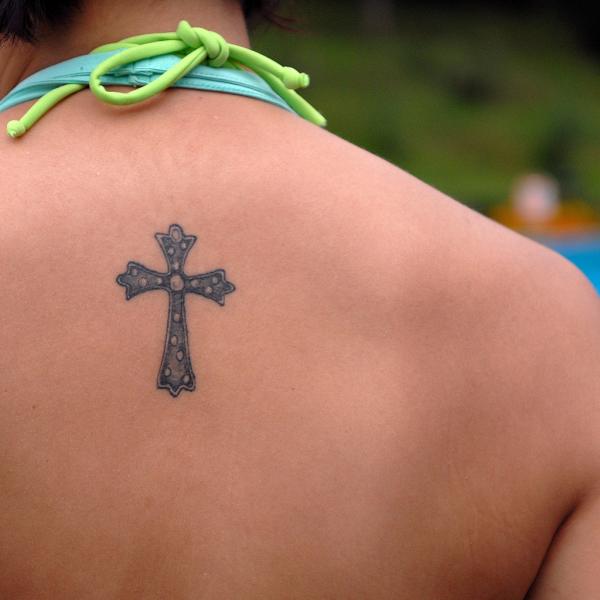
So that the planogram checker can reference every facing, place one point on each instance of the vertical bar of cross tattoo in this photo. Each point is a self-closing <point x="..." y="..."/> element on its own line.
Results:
<point x="176" y="371"/>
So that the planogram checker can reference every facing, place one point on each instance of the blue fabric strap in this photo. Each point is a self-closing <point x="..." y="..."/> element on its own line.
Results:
<point x="202" y="77"/>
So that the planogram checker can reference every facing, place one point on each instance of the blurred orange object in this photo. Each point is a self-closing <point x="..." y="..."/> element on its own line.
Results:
<point x="535" y="207"/>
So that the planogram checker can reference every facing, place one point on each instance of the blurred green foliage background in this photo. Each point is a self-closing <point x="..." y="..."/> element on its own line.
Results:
<point x="465" y="98"/>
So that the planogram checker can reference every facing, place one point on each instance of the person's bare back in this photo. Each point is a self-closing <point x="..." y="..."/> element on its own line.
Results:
<point x="400" y="399"/>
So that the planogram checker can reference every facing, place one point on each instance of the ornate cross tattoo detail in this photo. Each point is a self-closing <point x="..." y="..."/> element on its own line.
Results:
<point x="176" y="367"/>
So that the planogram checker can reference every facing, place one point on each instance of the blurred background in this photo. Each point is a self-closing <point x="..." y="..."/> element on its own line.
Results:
<point x="498" y="106"/>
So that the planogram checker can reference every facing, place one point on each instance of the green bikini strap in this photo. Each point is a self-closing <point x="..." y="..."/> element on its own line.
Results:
<point x="195" y="45"/>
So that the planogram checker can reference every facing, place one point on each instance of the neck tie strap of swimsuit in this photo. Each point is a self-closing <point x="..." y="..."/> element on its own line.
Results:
<point x="194" y="45"/>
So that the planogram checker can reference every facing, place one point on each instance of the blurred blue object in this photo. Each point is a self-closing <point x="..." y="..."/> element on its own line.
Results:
<point x="582" y="250"/>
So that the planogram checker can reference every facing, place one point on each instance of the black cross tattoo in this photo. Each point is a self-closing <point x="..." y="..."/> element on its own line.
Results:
<point x="176" y="367"/>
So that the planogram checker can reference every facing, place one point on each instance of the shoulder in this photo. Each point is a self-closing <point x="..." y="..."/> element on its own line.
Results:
<point x="500" y="318"/>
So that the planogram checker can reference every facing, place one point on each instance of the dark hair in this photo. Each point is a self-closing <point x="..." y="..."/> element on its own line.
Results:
<point x="23" y="19"/>
<point x="256" y="11"/>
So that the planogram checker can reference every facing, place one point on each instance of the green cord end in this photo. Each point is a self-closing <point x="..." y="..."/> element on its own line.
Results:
<point x="304" y="80"/>
<point x="15" y="129"/>
<point x="294" y="80"/>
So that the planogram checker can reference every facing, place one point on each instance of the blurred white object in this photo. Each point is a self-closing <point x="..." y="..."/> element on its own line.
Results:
<point x="536" y="198"/>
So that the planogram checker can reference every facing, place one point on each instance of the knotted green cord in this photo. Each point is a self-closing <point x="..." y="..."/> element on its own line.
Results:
<point x="195" y="45"/>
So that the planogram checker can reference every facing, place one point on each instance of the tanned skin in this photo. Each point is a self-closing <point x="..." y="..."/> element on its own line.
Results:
<point x="400" y="399"/>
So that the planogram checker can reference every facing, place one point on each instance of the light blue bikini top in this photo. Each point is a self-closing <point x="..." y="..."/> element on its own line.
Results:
<point x="202" y="77"/>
